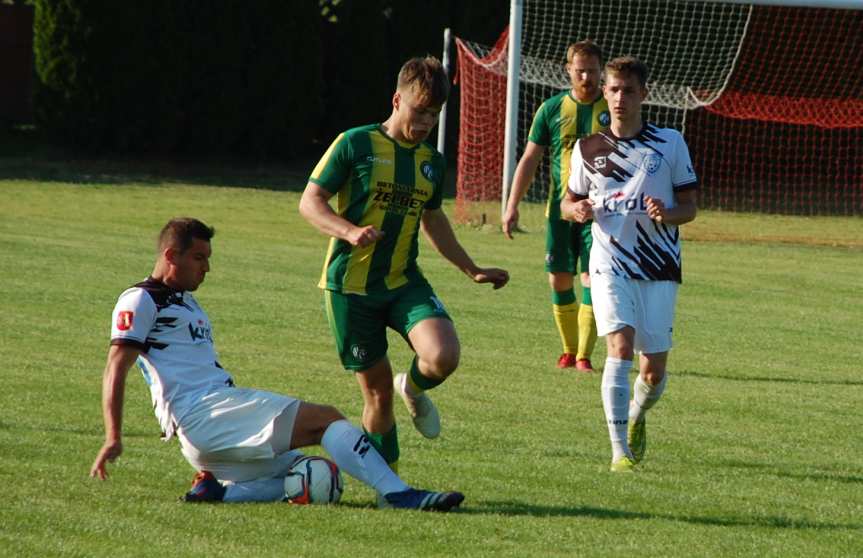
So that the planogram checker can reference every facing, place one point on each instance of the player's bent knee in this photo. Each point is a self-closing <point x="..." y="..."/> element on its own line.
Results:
<point x="443" y="362"/>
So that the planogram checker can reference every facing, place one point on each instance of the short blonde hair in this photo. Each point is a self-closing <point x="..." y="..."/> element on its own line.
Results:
<point x="426" y="77"/>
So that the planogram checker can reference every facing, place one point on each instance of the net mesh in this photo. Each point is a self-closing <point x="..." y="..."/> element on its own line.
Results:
<point x="769" y="99"/>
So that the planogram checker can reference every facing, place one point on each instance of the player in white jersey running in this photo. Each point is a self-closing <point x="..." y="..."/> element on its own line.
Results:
<point x="241" y="441"/>
<point x="636" y="182"/>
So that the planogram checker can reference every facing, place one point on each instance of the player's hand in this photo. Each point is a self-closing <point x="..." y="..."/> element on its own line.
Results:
<point x="363" y="236"/>
<point x="493" y="275"/>
<point x="655" y="208"/>
<point x="510" y="222"/>
<point x="110" y="452"/>
<point x="582" y="211"/>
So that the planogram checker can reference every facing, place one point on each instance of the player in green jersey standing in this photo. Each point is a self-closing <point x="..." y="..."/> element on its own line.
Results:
<point x="559" y="122"/>
<point x="389" y="184"/>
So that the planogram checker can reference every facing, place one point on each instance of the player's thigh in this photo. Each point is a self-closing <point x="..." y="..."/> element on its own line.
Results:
<point x="306" y="426"/>
<point x="235" y="426"/>
<point x="358" y="324"/>
<point x="657" y="302"/>
<point x="614" y="303"/>
<point x="413" y="304"/>
<point x="436" y="343"/>
<point x="558" y="246"/>
<point x="420" y="317"/>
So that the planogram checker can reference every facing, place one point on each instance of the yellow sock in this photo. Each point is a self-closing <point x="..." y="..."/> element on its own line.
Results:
<point x="586" y="331"/>
<point x="566" y="318"/>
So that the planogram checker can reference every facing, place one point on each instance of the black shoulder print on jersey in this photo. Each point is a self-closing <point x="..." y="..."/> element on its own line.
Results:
<point x="595" y="152"/>
<point x="649" y="133"/>
<point x="162" y="295"/>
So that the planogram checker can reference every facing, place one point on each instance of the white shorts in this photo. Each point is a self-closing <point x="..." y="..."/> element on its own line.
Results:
<point x="229" y="433"/>
<point x="646" y="306"/>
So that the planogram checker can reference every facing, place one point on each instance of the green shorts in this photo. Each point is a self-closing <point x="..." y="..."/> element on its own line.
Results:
<point x="359" y="322"/>
<point x="567" y="243"/>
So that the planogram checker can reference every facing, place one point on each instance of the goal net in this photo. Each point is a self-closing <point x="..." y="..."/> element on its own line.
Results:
<point x="769" y="99"/>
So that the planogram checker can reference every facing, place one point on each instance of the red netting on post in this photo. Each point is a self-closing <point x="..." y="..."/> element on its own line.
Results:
<point x="482" y="80"/>
<point x="780" y="128"/>
<point x="785" y="136"/>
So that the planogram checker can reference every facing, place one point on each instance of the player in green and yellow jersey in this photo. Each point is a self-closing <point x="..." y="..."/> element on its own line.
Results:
<point x="389" y="184"/>
<point x="559" y="122"/>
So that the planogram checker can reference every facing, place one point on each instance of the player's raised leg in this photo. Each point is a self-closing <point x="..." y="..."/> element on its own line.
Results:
<point x="437" y="356"/>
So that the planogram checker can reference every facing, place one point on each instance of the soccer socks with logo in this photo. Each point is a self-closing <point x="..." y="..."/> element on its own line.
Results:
<point x="565" y="309"/>
<point x="387" y="445"/>
<point x="645" y="396"/>
<point x="615" y="402"/>
<point x="586" y="329"/>
<point x="354" y="453"/>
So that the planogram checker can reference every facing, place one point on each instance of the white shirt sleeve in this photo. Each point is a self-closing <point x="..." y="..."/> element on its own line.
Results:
<point x="134" y="317"/>
<point x="681" y="168"/>
<point x="578" y="182"/>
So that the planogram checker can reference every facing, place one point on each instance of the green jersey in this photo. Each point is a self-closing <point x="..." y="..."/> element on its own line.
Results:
<point x="387" y="184"/>
<point x="558" y="124"/>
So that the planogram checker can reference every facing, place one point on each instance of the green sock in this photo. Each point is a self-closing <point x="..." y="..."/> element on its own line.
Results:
<point x="386" y="444"/>
<point x="419" y="381"/>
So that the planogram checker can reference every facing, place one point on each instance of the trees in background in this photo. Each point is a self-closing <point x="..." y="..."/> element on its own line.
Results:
<point x="266" y="79"/>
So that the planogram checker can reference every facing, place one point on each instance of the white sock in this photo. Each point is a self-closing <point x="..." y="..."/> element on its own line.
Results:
<point x="645" y="396"/>
<point x="355" y="455"/>
<point x="258" y="490"/>
<point x="615" y="402"/>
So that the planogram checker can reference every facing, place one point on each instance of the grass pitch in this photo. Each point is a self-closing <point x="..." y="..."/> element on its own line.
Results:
<point x="753" y="451"/>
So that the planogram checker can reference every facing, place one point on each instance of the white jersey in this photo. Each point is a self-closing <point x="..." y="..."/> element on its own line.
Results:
<point x="178" y="359"/>
<point x="616" y="174"/>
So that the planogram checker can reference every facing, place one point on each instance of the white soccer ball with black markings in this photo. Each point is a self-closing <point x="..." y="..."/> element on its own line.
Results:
<point x="314" y="480"/>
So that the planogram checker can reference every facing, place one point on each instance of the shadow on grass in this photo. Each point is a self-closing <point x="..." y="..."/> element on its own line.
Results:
<point x="818" y="382"/>
<point x="807" y="476"/>
<point x="522" y="509"/>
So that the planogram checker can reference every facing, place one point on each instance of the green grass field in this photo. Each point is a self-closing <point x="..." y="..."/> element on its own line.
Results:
<point x="753" y="451"/>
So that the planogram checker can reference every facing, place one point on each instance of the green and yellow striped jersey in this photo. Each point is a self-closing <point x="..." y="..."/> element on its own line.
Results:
<point x="558" y="124"/>
<point x="384" y="183"/>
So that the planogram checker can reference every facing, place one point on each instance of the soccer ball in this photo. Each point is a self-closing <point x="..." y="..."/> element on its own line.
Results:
<point x="314" y="480"/>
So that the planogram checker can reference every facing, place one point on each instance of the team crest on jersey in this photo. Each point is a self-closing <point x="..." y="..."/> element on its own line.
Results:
<point x="651" y="163"/>
<point x="125" y="319"/>
<point x="359" y="352"/>
<point x="428" y="170"/>
<point x="599" y="162"/>
<point x="604" y="118"/>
